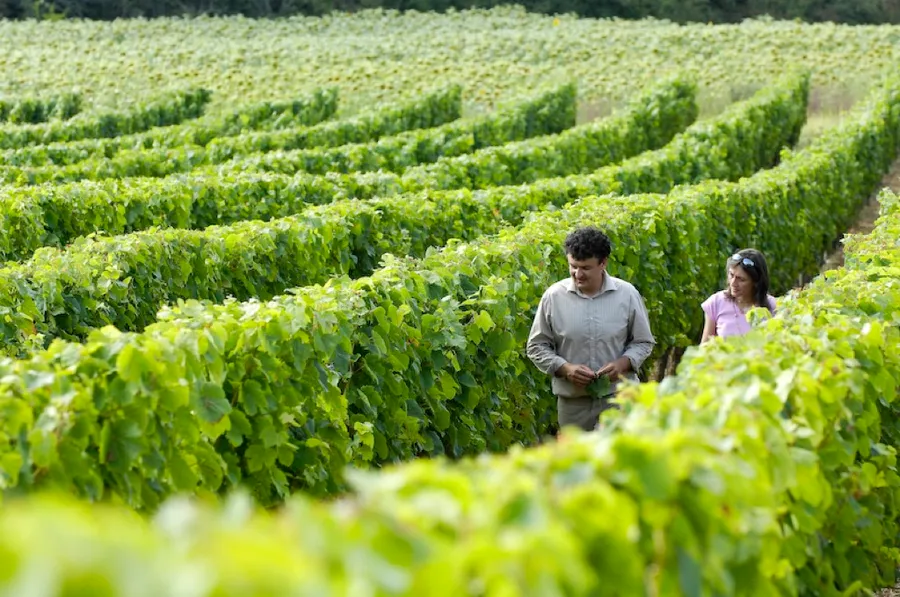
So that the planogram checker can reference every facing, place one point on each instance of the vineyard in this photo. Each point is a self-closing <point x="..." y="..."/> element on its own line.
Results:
<point x="266" y="289"/>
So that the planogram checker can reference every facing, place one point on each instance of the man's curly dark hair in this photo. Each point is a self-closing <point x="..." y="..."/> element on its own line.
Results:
<point x="588" y="242"/>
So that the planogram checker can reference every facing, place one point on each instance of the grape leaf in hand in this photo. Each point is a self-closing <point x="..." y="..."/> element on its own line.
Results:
<point x="600" y="387"/>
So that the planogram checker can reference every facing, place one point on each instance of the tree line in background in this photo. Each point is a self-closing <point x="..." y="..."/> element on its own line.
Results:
<point x="718" y="11"/>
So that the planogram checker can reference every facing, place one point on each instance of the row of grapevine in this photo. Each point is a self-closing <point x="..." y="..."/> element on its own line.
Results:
<point x="747" y="136"/>
<point x="310" y="109"/>
<point x="33" y="110"/>
<point x="283" y="393"/>
<point x="260" y="259"/>
<point x="440" y="107"/>
<point x="436" y="108"/>
<point x="55" y="215"/>
<point x="807" y="408"/>
<point x="582" y="148"/>
<point x="767" y="467"/>
<point x="547" y="113"/>
<point x="578" y="151"/>
<point x="172" y="108"/>
<point x="51" y="215"/>
<point x="495" y="53"/>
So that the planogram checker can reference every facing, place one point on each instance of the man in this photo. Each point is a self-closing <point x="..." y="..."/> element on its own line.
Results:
<point x="588" y="326"/>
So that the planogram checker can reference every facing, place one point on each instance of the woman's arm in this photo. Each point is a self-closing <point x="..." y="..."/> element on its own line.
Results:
<point x="709" y="328"/>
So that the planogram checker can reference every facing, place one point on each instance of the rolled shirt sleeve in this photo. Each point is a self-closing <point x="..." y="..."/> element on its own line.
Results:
<point x="640" y="339"/>
<point x="541" y="348"/>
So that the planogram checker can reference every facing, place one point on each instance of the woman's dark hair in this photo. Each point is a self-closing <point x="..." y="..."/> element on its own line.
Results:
<point x="588" y="242"/>
<point x="754" y="263"/>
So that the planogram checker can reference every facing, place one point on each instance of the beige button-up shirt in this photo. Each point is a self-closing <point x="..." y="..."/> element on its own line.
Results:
<point x="570" y="327"/>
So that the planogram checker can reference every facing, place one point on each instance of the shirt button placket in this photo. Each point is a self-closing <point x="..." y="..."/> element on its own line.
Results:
<point x="595" y="330"/>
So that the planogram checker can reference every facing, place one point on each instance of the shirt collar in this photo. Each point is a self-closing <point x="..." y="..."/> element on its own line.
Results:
<point x="609" y="284"/>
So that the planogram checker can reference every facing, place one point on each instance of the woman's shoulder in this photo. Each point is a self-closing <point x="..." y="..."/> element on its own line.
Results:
<point x="715" y="299"/>
<point x="771" y="302"/>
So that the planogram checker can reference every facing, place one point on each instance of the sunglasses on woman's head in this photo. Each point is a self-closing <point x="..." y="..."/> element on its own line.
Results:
<point x="740" y="259"/>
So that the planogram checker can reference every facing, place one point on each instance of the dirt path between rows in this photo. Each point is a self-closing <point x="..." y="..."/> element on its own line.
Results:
<point x="865" y="222"/>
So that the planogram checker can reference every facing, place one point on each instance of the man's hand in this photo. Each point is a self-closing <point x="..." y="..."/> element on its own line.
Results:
<point x="580" y="375"/>
<point x="616" y="369"/>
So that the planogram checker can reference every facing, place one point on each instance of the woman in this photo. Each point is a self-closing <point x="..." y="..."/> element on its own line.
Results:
<point x="748" y="287"/>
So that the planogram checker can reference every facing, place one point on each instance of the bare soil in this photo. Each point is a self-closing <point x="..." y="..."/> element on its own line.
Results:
<point x="865" y="223"/>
